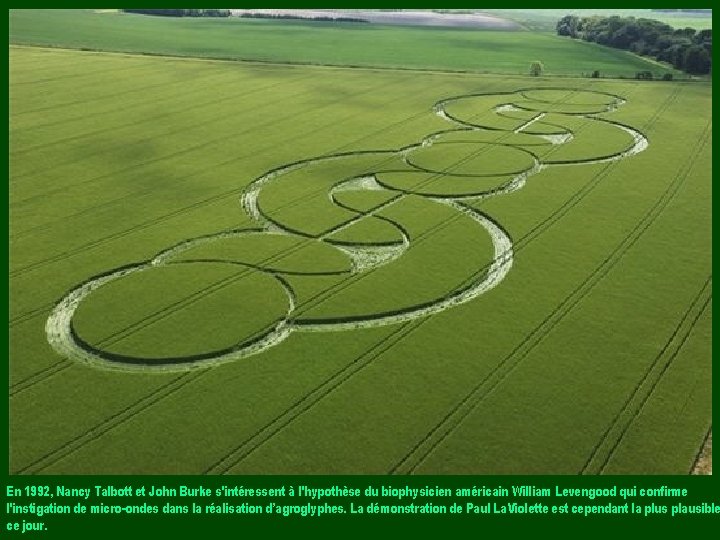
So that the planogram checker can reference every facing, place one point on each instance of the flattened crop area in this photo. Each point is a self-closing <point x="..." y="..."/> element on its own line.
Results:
<point x="218" y="267"/>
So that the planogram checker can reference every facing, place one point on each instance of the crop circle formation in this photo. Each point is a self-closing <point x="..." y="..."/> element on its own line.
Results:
<point x="354" y="227"/>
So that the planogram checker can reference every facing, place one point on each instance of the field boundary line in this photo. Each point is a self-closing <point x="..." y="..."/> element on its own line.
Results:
<point x="312" y="65"/>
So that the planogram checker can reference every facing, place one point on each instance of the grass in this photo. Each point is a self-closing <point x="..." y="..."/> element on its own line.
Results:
<point x="437" y="185"/>
<point x="468" y="109"/>
<point x="593" y="139"/>
<point x="421" y="275"/>
<point x="472" y="159"/>
<point x="546" y="19"/>
<point x="281" y="253"/>
<point x="322" y="43"/>
<point x="369" y="231"/>
<point x="592" y="355"/>
<point x="133" y="316"/>
<point x="312" y="183"/>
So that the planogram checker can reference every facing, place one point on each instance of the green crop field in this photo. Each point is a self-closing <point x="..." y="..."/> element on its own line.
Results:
<point x="228" y="267"/>
<point x="546" y="19"/>
<point x="348" y="44"/>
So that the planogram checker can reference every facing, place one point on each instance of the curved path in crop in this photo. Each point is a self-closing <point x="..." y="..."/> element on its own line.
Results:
<point x="344" y="241"/>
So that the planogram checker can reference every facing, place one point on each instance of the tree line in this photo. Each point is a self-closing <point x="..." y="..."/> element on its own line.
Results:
<point x="685" y="48"/>
<point x="226" y="13"/>
<point x="300" y="17"/>
<point x="182" y="12"/>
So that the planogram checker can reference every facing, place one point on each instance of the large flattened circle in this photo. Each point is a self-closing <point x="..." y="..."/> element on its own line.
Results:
<point x="180" y="313"/>
<point x="471" y="159"/>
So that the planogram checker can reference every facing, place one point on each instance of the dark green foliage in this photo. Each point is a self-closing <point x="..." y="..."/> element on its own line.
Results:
<point x="536" y="68"/>
<point x="181" y="12"/>
<point x="281" y="16"/>
<point x="697" y="60"/>
<point x="569" y="26"/>
<point x="684" y="48"/>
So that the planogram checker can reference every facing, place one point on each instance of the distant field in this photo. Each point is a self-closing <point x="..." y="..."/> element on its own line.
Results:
<point x="323" y="43"/>
<point x="546" y="19"/>
<point x="586" y="348"/>
<point x="402" y="17"/>
<point x="698" y="23"/>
